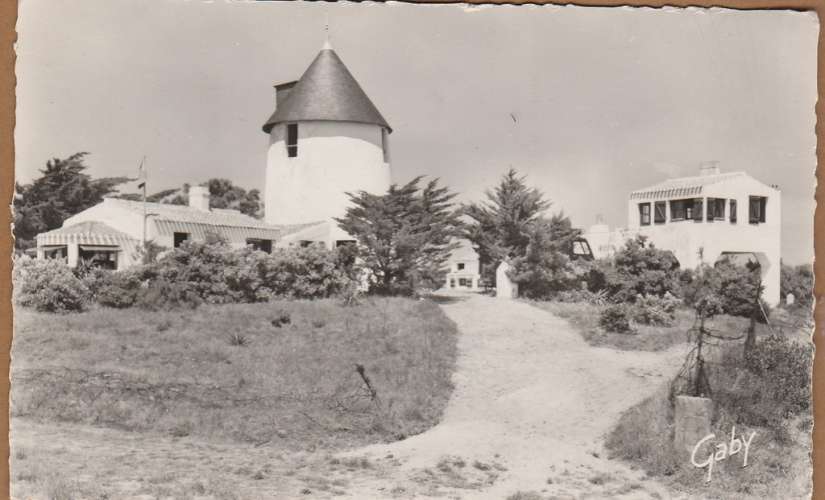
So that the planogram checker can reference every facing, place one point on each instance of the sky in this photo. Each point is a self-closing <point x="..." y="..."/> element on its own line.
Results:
<point x="588" y="103"/>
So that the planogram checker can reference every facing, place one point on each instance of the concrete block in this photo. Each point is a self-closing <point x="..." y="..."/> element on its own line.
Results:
<point x="692" y="420"/>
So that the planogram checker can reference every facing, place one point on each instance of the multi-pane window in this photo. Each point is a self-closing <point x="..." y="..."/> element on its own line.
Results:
<point x="60" y="252"/>
<point x="716" y="209"/>
<point x="644" y="214"/>
<point x="733" y="211"/>
<point x="686" y="209"/>
<point x="258" y="244"/>
<point x="698" y="209"/>
<point x="581" y="248"/>
<point x="659" y="212"/>
<point x="292" y="140"/>
<point x="460" y="266"/>
<point x="179" y="238"/>
<point x="756" y="209"/>
<point x="98" y="257"/>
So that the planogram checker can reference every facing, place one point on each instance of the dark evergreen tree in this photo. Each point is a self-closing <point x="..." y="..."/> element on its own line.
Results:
<point x="404" y="236"/>
<point x="62" y="190"/>
<point x="512" y="225"/>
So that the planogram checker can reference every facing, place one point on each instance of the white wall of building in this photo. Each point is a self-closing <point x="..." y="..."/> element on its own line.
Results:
<point x="115" y="217"/>
<point x="686" y="238"/>
<point x="463" y="265"/>
<point x="333" y="158"/>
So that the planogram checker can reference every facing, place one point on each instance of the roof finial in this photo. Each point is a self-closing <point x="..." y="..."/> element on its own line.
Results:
<point x="327" y="45"/>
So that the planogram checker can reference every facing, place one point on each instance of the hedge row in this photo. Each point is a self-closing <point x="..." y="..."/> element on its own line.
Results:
<point x="190" y="275"/>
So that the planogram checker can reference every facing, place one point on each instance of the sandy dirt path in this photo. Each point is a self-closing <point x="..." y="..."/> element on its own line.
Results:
<point x="531" y="406"/>
<point x="532" y="401"/>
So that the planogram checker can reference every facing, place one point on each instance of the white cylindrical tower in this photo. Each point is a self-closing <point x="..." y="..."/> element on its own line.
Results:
<point x="326" y="138"/>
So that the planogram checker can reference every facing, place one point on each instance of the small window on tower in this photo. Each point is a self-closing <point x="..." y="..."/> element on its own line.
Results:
<point x="385" y="145"/>
<point x="292" y="140"/>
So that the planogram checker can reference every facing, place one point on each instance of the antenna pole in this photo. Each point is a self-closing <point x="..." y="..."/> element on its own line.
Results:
<point x="143" y="185"/>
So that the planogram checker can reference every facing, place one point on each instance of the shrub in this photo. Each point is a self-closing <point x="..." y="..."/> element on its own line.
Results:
<point x="726" y="288"/>
<point x="238" y="339"/>
<point x="48" y="285"/>
<point x="120" y="290"/>
<point x="586" y="296"/>
<point x="799" y="281"/>
<point x="164" y="294"/>
<point x="739" y="287"/>
<point x="282" y="319"/>
<point x="214" y="273"/>
<point x="616" y="318"/>
<point x="654" y="310"/>
<point x="784" y="367"/>
<point x="638" y="268"/>
<point x="309" y="272"/>
<point x="196" y="268"/>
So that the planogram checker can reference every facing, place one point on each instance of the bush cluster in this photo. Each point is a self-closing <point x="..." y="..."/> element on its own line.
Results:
<point x="48" y="285"/>
<point x="616" y="318"/>
<point x="216" y="274"/>
<point x="654" y="310"/>
<point x="727" y="288"/>
<point x="799" y="281"/>
<point x="784" y="367"/>
<point x="767" y="387"/>
<point x="197" y="272"/>
<point x="637" y="269"/>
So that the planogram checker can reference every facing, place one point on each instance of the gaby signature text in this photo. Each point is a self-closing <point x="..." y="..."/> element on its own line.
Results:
<point x="722" y="451"/>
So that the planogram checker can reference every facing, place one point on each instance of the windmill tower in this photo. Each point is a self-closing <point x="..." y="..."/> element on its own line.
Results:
<point x="326" y="138"/>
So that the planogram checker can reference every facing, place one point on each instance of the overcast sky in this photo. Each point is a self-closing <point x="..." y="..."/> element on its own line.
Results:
<point x="590" y="103"/>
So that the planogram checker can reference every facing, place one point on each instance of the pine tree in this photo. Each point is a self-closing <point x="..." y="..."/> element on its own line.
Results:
<point x="404" y="236"/>
<point x="512" y="225"/>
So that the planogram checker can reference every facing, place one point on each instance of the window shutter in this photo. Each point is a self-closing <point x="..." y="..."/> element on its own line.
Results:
<point x="661" y="212"/>
<point x="644" y="214"/>
<point x="733" y="210"/>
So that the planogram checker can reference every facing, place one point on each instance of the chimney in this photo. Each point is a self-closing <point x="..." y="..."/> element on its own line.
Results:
<point x="282" y="92"/>
<point x="199" y="198"/>
<point x="709" y="168"/>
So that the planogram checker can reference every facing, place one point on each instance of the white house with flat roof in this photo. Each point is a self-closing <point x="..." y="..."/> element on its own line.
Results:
<point x="464" y="269"/>
<point x="705" y="218"/>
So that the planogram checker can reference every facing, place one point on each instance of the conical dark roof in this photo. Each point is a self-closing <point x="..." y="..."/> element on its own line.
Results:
<point x="326" y="91"/>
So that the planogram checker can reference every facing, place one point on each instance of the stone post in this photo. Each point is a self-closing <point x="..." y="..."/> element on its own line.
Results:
<point x="692" y="420"/>
<point x="505" y="288"/>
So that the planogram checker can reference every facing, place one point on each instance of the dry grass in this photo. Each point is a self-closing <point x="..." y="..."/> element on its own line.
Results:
<point x="525" y="495"/>
<point x="777" y="468"/>
<point x="185" y="373"/>
<point x="584" y="317"/>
